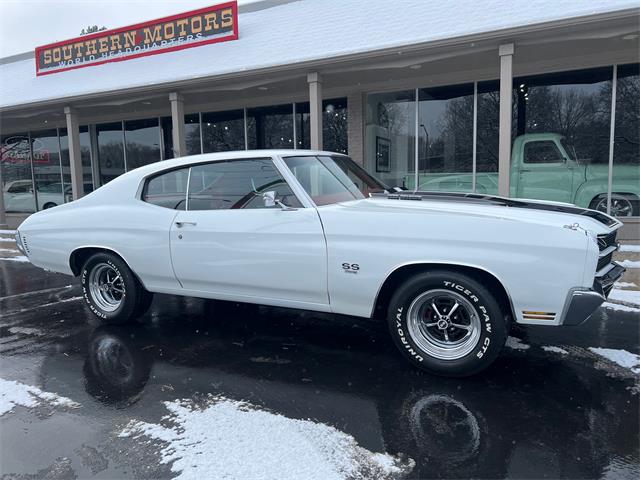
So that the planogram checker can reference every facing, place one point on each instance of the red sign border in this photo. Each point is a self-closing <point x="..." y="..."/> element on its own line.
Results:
<point x="234" y="36"/>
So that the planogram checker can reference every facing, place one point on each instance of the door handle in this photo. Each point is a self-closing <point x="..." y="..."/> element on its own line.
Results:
<point x="181" y="224"/>
<point x="523" y="170"/>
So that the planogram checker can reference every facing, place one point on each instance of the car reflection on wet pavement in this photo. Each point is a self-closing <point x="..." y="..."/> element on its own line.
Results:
<point x="537" y="412"/>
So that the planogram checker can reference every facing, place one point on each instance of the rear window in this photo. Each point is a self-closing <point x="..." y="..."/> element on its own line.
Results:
<point x="168" y="190"/>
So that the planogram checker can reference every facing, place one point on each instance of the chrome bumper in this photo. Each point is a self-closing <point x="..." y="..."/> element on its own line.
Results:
<point x="582" y="303"/>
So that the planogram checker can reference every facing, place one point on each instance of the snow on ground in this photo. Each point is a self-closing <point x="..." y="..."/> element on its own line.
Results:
<point x="8" y="232"/>
<point x="619" y="307"/>
<point x="621" y="357"/>
<point x="551" y="348"/>
<point x="516" y="344"/>
<point x="19" y="258"/>
<point x="14" y="393"/>
<point x="630" y="263"/>
<point x="630" y="248"/>
<point x="631" y="297"/>
<point x="257" y="444"/>
<point x="625" y="284"/>
<point x="9" y="250"/>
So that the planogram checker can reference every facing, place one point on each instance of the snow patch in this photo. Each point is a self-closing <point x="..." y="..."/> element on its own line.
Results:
<point x="9" y="250"/>
<point x="629" y="248"/>
<point x="625" y="285"/>
<point x="516" y="344"/>
<point x="619" y="307"/>
<point x="630" y="263"/>
<point x="14" y="393"/>
<point x="627" y="296"/>
<point x="258" y="444"/>
<point x="19" y="258"/>
<point x="7" y="232"/>
<point x="621" y="357"/>
<point x="551" y="348"/>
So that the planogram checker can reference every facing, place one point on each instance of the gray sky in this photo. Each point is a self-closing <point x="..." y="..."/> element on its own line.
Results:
<point x="25" y="24"/>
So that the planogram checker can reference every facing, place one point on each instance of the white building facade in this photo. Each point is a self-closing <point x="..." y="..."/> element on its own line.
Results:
<point x="527" y="99"/>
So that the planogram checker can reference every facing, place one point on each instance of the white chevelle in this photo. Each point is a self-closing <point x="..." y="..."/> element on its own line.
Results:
<point x="448" y="272"/>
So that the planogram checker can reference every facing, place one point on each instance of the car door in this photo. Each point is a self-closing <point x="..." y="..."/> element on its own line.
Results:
<point x="545" y="174"/>
<point x="228" y="243"/>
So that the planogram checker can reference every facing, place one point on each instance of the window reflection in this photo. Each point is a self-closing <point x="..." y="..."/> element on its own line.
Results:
<point x="270" y="127"/>
<point x="110" y="151"/>
<point x="390" y="137"/>
<point x="445" y="138"/>
<point x="625" y="198"/>
<point x="15" y="161"/>
<point x="47" y="170"/>
<point x="85" y="154"/>
<point x="142" y="138"/>
<point x="334" y="125"/>
<point x="223" y="131"/>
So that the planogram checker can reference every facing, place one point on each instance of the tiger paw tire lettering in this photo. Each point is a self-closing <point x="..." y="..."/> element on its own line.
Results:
<point x="446" y="323"/>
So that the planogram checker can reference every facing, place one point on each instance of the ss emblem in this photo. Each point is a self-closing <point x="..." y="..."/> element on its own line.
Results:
<point x="350" y="267"/>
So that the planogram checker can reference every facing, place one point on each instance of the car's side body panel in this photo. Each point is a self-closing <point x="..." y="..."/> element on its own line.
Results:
<point x="266" y="253"/>
<point x="535" y="263"/>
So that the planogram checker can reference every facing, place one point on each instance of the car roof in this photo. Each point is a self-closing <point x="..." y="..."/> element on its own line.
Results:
<point x="222" y="156"/>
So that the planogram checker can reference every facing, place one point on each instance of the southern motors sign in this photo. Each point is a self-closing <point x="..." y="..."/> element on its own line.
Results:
<point x="218" y="23"/>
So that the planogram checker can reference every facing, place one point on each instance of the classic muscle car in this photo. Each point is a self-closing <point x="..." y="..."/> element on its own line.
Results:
<point x="448" y="272"/>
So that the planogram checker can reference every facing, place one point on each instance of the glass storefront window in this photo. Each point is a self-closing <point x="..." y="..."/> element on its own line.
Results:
<point x="17" y="182"/>
<point x="192" y="134"/>
<point x="223" y="131"/>
<point x="572" y="111"/>
<point x="142" y="140"/>
<point x="85" y="154"/>
<point x="110" y="151"/>
<point x="390" y="137"/>
<point x="270" y="127"/>
<point x="334" y="125"/>
<point x="625" y="193"/>
<point x="47" y="171"/>
<point x="488" y="126"/>
<point x="445" y="138"/>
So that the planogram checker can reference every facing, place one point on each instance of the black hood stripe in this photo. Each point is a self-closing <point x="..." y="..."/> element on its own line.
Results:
<point x="500" y="201"/>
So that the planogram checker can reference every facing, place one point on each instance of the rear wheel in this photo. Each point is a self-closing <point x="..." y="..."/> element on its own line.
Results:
<point x="48" y="205"/>
<point x="111" y="291"/>
<point x="446" y="323"/>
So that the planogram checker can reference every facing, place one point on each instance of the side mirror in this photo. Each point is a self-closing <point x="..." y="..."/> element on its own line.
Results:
<point x="269" y="198"/>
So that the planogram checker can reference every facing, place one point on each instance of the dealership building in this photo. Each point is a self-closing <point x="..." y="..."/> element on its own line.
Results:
<point x="525" y="99"/>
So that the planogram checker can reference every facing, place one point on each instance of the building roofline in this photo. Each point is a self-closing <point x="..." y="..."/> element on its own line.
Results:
<point x="502" y="35"/>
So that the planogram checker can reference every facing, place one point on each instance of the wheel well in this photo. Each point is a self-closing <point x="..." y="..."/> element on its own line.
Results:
<point x="403" y="273"/>
<point x="81" y="255"/>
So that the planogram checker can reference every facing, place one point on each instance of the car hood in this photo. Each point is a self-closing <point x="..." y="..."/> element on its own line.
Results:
<point x="461" y="204"/>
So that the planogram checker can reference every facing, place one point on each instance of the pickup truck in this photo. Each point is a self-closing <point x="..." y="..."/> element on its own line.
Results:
<point x="545" y="166"/>
<point x="449" y="273"/>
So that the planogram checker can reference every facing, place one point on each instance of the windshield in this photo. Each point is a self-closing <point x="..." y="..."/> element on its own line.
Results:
<point x="333" y="179"/>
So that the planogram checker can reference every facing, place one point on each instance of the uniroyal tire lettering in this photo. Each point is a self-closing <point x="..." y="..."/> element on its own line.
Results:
<point x="403" y="339"/>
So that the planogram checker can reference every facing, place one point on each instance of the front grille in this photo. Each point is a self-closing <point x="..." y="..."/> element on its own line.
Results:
<point x="25" y="245"/>
<point x="604" y="261"/>
<point x="607" y="240"/>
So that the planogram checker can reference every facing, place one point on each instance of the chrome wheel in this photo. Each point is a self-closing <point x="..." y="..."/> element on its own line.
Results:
<point x="621" y="206"/>
<point x="443" y="324"/>
<point x="106" y="286"/>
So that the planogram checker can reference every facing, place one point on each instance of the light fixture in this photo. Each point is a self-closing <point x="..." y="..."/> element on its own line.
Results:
<point x="263" y="88"/>
<point x="415" y="67"/>
<point x="146" y="103"/>
<point x="631" y="36"/>
<point x="329" y="108"/>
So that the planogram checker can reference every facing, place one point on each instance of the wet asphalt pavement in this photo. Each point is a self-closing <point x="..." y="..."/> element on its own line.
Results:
<point x="534" y="414"/>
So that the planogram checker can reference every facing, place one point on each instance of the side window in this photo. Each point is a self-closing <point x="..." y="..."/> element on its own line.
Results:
<point x="168" y="190"/>
<point x="542" y="152"/>
<point x="237" y="184"/>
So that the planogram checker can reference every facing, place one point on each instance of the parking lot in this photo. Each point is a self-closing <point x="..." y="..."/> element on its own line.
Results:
<point x="203" y="389"/>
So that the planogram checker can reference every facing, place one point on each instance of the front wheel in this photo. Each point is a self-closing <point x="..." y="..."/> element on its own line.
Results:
<point x="621" y="205"/>
<point x="447" y="323"/>
<point x="111" y="291"/>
